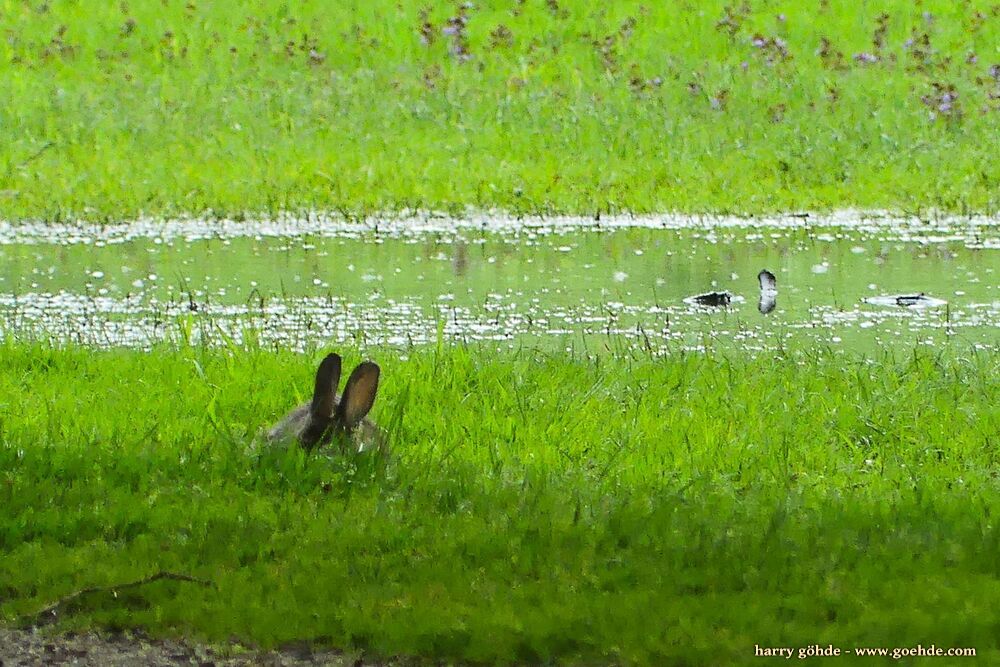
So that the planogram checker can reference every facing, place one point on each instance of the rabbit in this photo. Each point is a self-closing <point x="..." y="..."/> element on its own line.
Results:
<point x="332" y="416"/>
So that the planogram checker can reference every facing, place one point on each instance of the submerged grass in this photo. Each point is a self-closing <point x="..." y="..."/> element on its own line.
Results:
<point x="537" y="507"/>
<point x="228" y="107"/>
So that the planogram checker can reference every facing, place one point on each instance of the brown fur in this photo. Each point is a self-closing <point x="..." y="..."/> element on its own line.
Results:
<point x="332" y="416"/>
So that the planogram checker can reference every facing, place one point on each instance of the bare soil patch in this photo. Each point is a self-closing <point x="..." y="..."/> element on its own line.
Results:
<point x="36" y="647"/>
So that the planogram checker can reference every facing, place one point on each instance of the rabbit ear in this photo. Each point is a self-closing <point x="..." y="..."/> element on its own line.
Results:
<point x="325" y="394"/>
<point x="359" y="395"/>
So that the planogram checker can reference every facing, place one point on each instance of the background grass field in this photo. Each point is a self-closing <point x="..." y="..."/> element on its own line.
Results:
<point x="226" y="107"/>
<point x="536" y="507"/>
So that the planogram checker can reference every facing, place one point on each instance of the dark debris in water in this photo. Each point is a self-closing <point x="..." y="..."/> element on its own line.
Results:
<point x="920" y="300"/>
<point x="711" y="299"/>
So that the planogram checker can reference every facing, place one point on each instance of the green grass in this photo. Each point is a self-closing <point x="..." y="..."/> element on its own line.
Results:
<point x="226" y="107"/>
<point x="537" y="507"/>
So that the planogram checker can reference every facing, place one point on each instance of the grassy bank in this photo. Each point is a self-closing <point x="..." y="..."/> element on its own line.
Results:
<point x="537" y="507"/>
<point x="532" y="106"/>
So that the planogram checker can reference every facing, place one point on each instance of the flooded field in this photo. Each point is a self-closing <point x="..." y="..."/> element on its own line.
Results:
<point x="660" y="283"/>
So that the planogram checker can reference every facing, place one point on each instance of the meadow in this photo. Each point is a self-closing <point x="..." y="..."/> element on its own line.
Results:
<point x="227" y="107"/>
<point x="535" y="506"/>
<point x="822" y="475"/>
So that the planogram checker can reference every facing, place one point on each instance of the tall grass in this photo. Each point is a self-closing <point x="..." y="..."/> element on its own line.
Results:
<point x="229" y="106"/>
<point x="536" y="507"/>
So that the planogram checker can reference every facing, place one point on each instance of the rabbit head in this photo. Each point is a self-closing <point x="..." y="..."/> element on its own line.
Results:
<point x="331" y="415"/>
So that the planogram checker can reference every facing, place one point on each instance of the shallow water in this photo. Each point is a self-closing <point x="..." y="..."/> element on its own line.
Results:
<point x="556" y="283"/>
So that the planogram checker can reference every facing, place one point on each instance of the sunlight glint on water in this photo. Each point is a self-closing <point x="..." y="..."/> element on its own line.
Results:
<point x="848" y="283"/>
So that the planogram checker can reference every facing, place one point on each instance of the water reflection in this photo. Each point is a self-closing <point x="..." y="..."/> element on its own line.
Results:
<point x="839" y="286"/>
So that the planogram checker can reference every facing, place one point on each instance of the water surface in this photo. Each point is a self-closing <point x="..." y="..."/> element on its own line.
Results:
<point x="558" y="283"/>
